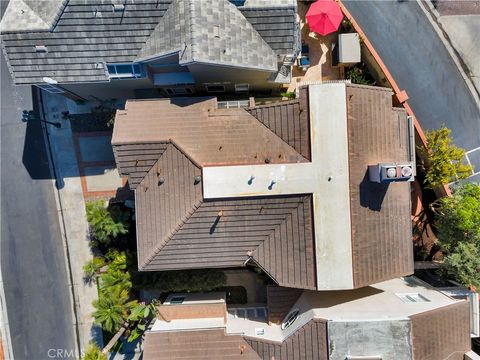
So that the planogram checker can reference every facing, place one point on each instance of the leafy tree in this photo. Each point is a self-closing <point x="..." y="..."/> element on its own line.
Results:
<point x="443" y="160"/>
<point x="458" y="217"/>
<point x="113" y="308"/>
<point x="464" y="264"/>
<point x="92" y="267"/>
<point x="458" y="226"/>
<point x="93" y="352"/>
<point x="106" y="223"/>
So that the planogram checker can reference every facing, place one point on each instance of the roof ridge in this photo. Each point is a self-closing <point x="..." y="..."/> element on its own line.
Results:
<point x="183" y="219"/>
<point x="288" y="215"/>
<point x="227" y="13"/>
<point x="164" y="241"/>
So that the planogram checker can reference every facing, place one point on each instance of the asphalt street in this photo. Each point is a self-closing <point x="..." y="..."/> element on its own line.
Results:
<point x="32" y="256"/>
<point x="412" y="51"/>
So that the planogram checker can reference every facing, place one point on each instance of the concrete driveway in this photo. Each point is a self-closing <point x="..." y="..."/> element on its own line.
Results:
<point x="421" y="65"/>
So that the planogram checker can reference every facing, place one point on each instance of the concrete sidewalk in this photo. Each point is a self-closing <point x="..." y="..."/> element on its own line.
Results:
<point x="71" y="209"/>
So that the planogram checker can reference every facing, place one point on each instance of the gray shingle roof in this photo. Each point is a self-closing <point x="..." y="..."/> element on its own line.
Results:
<point x="209" y="31"/>
<point x="81" y="35"/>
<point x="32" y="15"/>
<point x="81" y="39"/>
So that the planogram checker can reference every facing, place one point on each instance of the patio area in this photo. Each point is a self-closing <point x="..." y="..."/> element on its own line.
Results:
<point x="319" y="53"/>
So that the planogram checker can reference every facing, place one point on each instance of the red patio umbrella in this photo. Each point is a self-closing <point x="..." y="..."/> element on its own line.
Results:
<point x="324" y="16"/>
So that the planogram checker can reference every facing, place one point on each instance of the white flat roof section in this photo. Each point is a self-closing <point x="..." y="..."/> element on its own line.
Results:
<point x="331" y="200"/>
<point x="188" y="324"/>
<point x="326" y="177"/>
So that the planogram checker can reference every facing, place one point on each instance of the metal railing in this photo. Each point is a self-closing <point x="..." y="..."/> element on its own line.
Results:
<point x="233" y="104"/>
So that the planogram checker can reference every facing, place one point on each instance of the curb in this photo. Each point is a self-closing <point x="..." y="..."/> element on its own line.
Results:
<point x="433" y="15"/>
<point x="4" y="325"/>
<point x="53" y="171"/>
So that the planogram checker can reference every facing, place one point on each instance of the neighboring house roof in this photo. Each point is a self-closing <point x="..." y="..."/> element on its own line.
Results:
<point x="80" y="36"/>
<point x="371" y="321"/>
<point x="209" y="31"/>
<point x="442" y="333"/>
<point x="307" y="342"/>
<point x="31" y="15"/>
<point x="294" y="233"/>
<point x="196" y="345"/>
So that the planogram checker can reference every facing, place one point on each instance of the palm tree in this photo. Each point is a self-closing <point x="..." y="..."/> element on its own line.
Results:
<point x="113" y="308"/>
<point x="106" y="223"/>
<point x="115" y="278"/>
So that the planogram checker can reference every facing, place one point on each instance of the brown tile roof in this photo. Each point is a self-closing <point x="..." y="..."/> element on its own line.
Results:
<point x="443" y="333"/>
<point x="192" y="311"/>
<point x="162" y="208"/>
<point x="135" y="160"/>
<point x="380" y="214"/>
<point x="178" y="229"/>
<point x="196" y="345"/>
<point x="307" y="343"/>
<point x="289" y="120"/>
<point x="208" y="240"/>
<point x="280" y="301"/>
<point x="208" y="135"/>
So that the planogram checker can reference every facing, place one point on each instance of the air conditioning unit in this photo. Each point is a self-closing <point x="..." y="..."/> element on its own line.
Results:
<point x="391" y="172"/>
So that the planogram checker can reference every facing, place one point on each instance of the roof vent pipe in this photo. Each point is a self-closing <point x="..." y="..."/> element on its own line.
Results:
<point x="197" y="179"/>
<point x="41" y="49"/>
<point x="118" y="7"/>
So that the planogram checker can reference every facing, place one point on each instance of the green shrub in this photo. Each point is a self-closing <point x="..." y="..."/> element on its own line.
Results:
<point x="464" y="264"/>
<point x="458" y="217"/>
<point x="443" y="160"/>
<point x="289" y="95"/>
<point x="93" y="352"/>
<point x="458" y="227"/>
<point x="359" y="74"/>
<point x="106" y="223"/>
<point x="182" y="280"/>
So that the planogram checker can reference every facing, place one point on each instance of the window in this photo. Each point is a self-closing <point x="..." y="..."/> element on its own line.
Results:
<point x="412" y="298"/>
<point x="259" y="331"/>
<point x="179" y="91"/>
<point x="177" y="299"/>
<point x="242" y="87"/>
<point x="215" y="88"/>
<point x="124" y="71"/>
<point x="290" y="319"/>
<point x="52" y="89"/>
<point x="237" y="2"/>
<point x="253" y="313"/>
